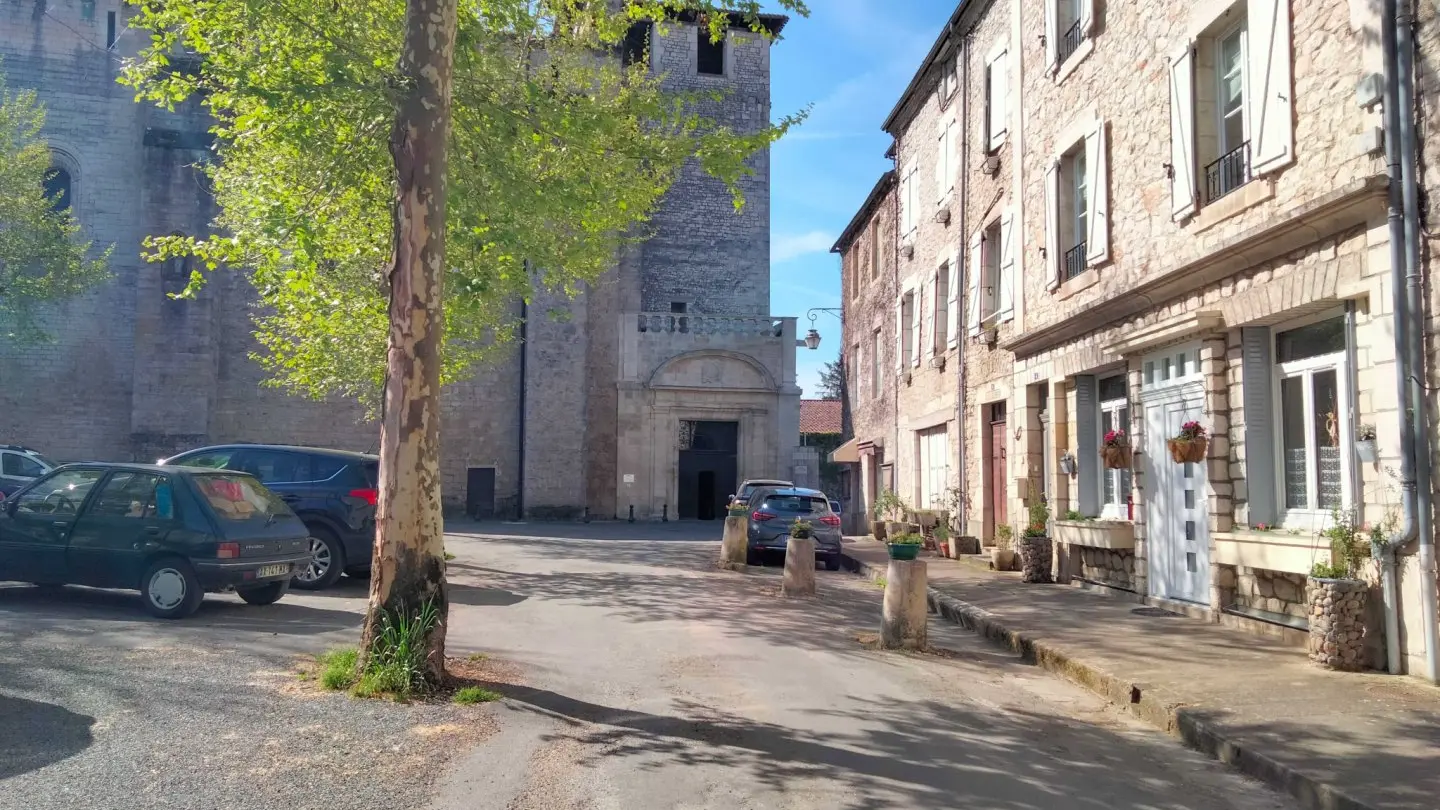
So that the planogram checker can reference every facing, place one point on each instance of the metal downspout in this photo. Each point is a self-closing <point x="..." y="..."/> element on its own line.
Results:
<point x="1415" y="334"/>
<point x="961" y="298"/>
<point x="1408" y="528"/>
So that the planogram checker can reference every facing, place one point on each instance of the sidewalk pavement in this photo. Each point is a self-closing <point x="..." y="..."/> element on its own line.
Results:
<point x="1335" y="741"/>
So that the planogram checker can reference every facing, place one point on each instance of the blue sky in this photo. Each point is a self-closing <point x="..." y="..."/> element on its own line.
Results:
<point x="851" y="59"/>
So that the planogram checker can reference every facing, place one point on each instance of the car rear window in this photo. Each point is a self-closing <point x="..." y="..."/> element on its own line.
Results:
<point x="240" y="498"/>
<point x="797" y="503"/>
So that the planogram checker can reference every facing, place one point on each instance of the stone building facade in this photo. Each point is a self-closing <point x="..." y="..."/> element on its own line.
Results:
<point x="666" y="378"/>
<point x="1190" y="204"/>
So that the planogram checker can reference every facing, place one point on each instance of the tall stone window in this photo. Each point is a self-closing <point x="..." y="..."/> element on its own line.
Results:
<point x="710" y="54"/>
<point x="57" y="185"/>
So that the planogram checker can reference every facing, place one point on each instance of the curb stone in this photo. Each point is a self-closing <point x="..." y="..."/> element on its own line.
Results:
<point x="1188" y="724"/>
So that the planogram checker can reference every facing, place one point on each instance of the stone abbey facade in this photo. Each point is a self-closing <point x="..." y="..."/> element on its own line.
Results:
<point x="667" y="383"/>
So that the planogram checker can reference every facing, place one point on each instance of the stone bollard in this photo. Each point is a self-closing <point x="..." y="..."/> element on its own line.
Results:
<point x="1337" y="622"/>
<point x="1035" y="558"/>
<point x="799" y="567"/>
<point x="735" y="543"/>
<point x="905" y="615"/>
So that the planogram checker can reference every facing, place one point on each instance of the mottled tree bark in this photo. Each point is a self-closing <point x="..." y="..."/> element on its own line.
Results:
<point x="408" y="568"/>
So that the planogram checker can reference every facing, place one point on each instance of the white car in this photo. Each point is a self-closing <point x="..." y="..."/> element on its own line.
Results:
<point x="19" y="466"/>
<point x="748" y="487"/>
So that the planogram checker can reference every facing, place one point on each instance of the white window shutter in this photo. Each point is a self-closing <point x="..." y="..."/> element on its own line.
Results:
<point x="952" y="304"/>
<point x="1054" y="256"/>
<point x="1269" y="99"/>
<point x="927" y="330"/>
<point x="1006" y="303"/>
<point x="999" y="99"/>
<point x="900" y="332"/>
<point x="1052" y="36"/>
<point x="941" y="170"/>
<point x="916" y="308"/>
<point x="1087" y="16"/>
<point x="1097" y="184"/>
<point x="1182" y="133"/>
<point x="977" y="269"/>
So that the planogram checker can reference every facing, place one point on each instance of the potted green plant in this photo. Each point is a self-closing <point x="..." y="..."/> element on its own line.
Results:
<point x="1337" y="596"/>
<point x="1365" y="444"/>
<point x="1002" y="556"/>
<point x="802" y="530"/>
<point x="1189" y="445"/>
<point x="1115" y="450"/>
<point x="887" y="505"/>
<point x="942" y="540"/>
<point x="905" y="546"/>
<point x="1036" y="553"/>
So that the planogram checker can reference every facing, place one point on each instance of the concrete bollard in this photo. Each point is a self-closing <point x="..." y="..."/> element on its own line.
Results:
<point x="799" y="568"/>
<point x="733" y="545"/>
<point x="905" y="615"/>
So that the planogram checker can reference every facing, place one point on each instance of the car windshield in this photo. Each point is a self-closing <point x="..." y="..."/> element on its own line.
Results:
<point x="804" y="504"/>
<point x="240" y="498"/>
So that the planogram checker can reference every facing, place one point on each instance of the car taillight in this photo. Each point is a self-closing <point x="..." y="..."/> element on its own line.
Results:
<point x="761" y="516"/>
<point x="370" y="496"/>
<point x="228" y="551"/>
<point x="830" y="520"/>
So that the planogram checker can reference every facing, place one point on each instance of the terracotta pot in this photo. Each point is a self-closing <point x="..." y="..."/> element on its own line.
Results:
<point x="1116" y="458"/>
<point x="1187" y="450"/>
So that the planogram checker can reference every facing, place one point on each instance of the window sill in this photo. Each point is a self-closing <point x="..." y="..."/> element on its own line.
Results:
<point x="1069" y="65"/>
<point x="1242" y="199"/>
<point x="1115" y="535"/>
<point x="1277" y="550"/>
<point x="1084" y="281"/>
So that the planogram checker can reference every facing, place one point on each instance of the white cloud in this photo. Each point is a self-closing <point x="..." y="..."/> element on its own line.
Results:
<point x="785" y="247"/>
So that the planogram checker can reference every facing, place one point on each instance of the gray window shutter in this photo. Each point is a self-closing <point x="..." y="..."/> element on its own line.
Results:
<point x="1259" y="401"/>
<point x="1087" y="443"/>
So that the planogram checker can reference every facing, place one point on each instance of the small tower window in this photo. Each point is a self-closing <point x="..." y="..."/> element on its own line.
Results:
<point x="678" y="307"/>
<point x="57" y="189"/>
<point x="636" y="45"/>
<point x="710" y="57"/>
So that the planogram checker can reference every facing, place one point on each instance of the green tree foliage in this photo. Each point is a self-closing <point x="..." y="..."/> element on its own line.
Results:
<point x="42" y="257"/>
<point x="556" y="160"/>
<point x="832" y="380"/>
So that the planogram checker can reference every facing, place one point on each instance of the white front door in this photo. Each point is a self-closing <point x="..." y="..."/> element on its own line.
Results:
<point x="1177" y="514"/>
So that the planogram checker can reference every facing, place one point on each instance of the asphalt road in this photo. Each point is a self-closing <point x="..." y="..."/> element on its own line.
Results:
<point x="649" y="678"/>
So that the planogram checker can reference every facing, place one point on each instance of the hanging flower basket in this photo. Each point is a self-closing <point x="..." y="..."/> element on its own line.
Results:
<point x="1115" y="450"/>
<point x="1190" y="445"/>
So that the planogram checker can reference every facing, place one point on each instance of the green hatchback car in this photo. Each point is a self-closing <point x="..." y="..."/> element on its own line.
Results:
<point x="172" y="533"/>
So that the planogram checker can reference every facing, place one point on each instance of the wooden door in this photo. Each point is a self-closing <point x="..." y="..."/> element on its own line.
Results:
<point x="998" y="467"/>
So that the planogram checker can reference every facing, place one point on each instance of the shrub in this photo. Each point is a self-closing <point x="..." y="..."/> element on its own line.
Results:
<point x="474" y="694"/>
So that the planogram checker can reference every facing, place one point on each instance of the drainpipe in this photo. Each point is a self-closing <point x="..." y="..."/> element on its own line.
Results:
<point x="1415" y="328"/>
<point x="1402" y="221"/>
<point x="524" y="350"/>
<point x="961" y="298"/>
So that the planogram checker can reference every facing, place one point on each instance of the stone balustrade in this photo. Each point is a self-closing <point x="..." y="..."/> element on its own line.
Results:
<point x="667" y="323"/>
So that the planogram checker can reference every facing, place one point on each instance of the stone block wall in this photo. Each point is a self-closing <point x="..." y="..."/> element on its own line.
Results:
<point x="1273" y="591"/>
<point x="1113" y="568"/>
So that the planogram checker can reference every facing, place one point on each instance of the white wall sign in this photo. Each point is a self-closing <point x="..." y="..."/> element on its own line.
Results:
<point x="629" y="478"/>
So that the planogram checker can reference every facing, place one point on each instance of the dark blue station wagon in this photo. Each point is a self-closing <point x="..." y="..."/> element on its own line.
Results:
<point x="171" y="533"/>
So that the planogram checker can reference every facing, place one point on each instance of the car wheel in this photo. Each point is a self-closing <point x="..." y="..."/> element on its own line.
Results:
<point x="170" y="589"/>
<point x="326" y="564"/>
<point x="832" y="562"/>
<point x="753" y="558"/>
<point x="267" y="594"/>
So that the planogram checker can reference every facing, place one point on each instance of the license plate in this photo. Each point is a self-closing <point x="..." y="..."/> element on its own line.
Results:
<point x="279" y="570"/>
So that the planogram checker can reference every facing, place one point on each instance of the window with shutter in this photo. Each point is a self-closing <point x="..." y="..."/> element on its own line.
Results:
<point x="1312" y="410"/>
<point x="1005" y="305"/>
<point x="940" y="324"/>
<point x="973" y="314"/>
<point x="952" y="303"/>
<point x="877" y="369"/>
<point x="997" y="98"/>
<point x="1114" y="411"/>
<point x="1258" y="398"/>
<point x="902" y="332"/>
<point x="1087" y="446"/>
<point x="917" y="307"/>
<point x="1054" y="255"/>
<point x="1097" y="186"/>
<point x="1182" y="133"/>
<point x="1272" y="135"/>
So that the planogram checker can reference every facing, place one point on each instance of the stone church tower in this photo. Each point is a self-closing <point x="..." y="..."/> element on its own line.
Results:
<point x="667" y="383"/>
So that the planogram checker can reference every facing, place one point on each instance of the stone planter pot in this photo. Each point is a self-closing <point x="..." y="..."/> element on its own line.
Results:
<point x="1337" y="622"/>
<point x="1187" y="450"/>
<point x="878" y="530"/>
<point x="1002" y="559"/>
<point x="964" y="544"/>
<point x="1036" y="558"/>
<point x="1365" y="449"/>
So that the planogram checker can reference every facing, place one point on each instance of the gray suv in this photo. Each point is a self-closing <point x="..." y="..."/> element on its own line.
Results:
<point x="772" y="513"/>
<point x="19" y="466"/>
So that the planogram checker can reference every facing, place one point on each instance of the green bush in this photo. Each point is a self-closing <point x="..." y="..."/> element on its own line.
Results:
<point x="908" y="540"/>
<point x="337" y="668"/>
<point x="802" y="529"/>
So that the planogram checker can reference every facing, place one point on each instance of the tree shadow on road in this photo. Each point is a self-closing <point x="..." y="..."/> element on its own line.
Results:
<point x="921" y="753"/>
<point x="38" y="734"/>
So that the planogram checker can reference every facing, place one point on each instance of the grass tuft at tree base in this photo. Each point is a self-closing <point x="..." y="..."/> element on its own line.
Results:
<point x="471" y="695"/>
<point x="337" y="668"/>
